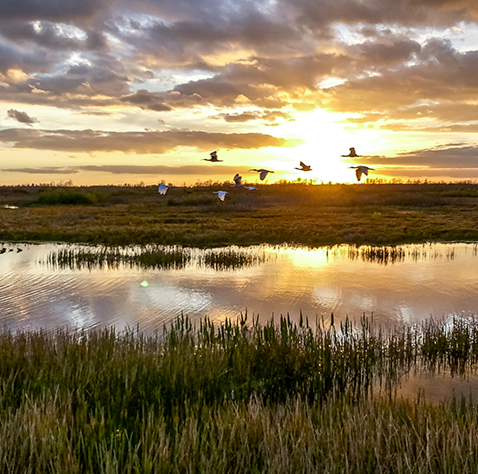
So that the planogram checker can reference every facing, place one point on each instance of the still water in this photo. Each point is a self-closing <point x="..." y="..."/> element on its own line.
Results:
<point x="51" y="285"/>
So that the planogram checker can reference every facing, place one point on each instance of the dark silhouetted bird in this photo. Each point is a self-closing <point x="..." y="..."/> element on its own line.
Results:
<point x="352" y="154"/>
<point x="262" y="173"/>
<point x="359" y="170"/>
<point x="304" y="167"/>
<point x="213" y="158"/>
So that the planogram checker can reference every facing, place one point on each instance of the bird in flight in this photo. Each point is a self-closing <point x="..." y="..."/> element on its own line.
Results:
<point x="213" y="158"/>
<point x="359" y="170"/>
<point x="352" y="154"/>
<point x="304" y="167"/>
<point x="221" y="194"/>
<point x="162" y="189"/>
<point x="237" y="180"/>
<point x="262" y="173"/>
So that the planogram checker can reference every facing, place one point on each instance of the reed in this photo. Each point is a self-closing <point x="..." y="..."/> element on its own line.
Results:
<point x="234" y="397"/>
<point x="151" y="256"/>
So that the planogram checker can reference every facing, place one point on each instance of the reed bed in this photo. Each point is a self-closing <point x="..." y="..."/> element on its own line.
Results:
<point x="151" y="256"/>
<point x="234" y="397"/>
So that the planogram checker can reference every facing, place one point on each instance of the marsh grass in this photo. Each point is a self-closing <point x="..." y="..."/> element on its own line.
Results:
<point x="234" y="397"/>
<point x="151" y="256"/>
<point x="314" y="215"/>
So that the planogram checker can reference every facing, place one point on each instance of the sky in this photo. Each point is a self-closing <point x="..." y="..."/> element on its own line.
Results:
<point x="142" y="91"/>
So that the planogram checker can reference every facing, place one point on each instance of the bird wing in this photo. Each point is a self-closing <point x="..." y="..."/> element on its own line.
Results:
<point x="358" y="173"/>
<point x="263" y="174"/>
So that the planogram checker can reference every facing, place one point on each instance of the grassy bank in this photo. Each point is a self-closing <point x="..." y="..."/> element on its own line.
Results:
<point x="234" y="398"/>
<point x="292" y="213"/>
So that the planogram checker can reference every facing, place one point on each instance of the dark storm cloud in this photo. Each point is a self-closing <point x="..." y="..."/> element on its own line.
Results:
<point x="21" y="117"/>
<point x="91" y="141"/>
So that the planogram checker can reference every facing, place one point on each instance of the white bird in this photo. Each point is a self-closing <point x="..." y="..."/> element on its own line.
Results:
<point x="162" y="189"/>
<point x="250" y="188"/>
<point x="221" y="194"/>
<point x="304" y="167"/>
<point x="262" y="173"/>
<point x="361" y="169"/>
<point x="213" y="158"/>
<point x="352" y="154"/>
<point x="237" y="180"/>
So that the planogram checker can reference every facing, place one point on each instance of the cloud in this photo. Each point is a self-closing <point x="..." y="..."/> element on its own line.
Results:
<point x="21" y="117"/>
<point x="141" y="142"/>
<point x="44" y="170"/>
<point x="444" y="157"/>
<point x="155" y="170"/>
<point x="269" y="116"/>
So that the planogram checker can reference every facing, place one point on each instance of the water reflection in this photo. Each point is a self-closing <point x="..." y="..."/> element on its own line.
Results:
<point x="52" y="285"/>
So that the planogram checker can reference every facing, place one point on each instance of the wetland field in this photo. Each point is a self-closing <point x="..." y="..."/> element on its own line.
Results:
<point x="236" y="394"/>
<point x="312" y="215"/>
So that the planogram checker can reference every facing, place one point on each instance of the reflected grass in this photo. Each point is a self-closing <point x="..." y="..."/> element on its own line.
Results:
<point x="234" y="396"/>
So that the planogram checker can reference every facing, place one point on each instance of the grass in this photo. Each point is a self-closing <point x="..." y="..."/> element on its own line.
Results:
<point x="235" y="397"/>
<point x="373" y="214"/>
<point x="153" y="256"/>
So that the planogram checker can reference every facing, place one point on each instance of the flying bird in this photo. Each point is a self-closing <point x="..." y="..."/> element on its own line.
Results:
<point x="221" y="194"/>
<point x="359" y="170"/>
<point x="250" y="188"/>
<point x="162" y="189"/>
<point x="262" y="173"/>
<point x="352" y="154"/>
<point x="304" y="167"/>
<point x="237" y="180"/>
<point x="213" y="158"/>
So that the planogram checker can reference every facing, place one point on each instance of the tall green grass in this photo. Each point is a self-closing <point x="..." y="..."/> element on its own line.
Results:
<point x="234" y="397"/>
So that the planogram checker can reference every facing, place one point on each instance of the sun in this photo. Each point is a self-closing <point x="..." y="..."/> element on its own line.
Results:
<point x="325" y="140"/>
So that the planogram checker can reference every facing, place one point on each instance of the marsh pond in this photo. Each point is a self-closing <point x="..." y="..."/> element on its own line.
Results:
<point x="51" y="285"/>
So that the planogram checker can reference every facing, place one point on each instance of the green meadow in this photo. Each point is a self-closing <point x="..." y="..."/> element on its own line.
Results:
<point x="298" y="213"/>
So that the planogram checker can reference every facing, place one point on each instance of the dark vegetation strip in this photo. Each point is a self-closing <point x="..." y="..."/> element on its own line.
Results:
<point x="314" y="215"/>
<point x="234" y="397"/>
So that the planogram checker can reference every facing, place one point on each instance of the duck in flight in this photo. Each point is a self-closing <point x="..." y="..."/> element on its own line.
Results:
<point x="262" y="173"/>
<point x="359" y="170"/>
<point x="352" y="154"/>
<point x="304" y="167"/>
<point x="214" y="158"/>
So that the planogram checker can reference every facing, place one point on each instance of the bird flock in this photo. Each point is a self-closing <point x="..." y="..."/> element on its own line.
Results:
<point x="359" y="171"/>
